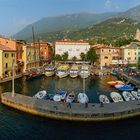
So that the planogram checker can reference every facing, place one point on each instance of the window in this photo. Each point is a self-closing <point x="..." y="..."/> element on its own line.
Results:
<point x="135" y="58"/>
<point x="6" y="55"/>
<point x="128" y="53"/>
<point x="6" y="65"/>
<point x="12" y="55"/>
<point x="105" y="57"/>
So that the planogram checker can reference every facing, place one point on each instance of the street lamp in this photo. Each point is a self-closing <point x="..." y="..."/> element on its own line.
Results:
<point x="13" y="75"/>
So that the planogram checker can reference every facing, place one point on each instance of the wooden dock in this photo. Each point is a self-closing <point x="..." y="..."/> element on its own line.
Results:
<point x="128" y="79"/>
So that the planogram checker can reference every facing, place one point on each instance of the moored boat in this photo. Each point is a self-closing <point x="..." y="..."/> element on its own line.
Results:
<point x="82" y="98"/>
<point x="62" y="71"/>
<point x="60" y="96"/>
<point x="119" y="85"/>
<point x="74" y="71"/>
<point x="135" y="94"/>
<point x="126" y="88"/>
<point x="49" y="70"/>
<point x="33" y="73"/>
<point x="116" y="97"/>
<point x="104" y="99"/>
<point x="70" y="97"/>
<point x="113" y="83"/>
<point x="85" y="71"/>
<point x="127" y="96"/>
<point x="40" y="94"/>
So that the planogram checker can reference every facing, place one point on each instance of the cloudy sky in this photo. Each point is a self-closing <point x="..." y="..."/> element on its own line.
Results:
<point x="16" y="14"/>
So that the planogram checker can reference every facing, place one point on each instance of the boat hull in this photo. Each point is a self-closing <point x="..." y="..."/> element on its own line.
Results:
<point x="62" y="75"/>
<point x="49" y="74"/>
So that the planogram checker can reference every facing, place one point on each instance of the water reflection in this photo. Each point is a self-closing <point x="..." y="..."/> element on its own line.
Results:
<point x="94" y="85"/>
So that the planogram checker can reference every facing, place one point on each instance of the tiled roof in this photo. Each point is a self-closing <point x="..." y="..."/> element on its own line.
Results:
<point x="5" y="48"/>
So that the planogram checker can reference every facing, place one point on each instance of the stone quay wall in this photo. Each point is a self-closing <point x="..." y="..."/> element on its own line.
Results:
<point x="77" y="112"/>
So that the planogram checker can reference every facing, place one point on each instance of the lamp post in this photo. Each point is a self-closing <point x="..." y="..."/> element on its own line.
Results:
<point x="13" y="75"/>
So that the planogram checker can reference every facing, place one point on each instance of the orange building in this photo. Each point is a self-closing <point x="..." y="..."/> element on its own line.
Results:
<point x="46" y="52"/>
<point x="17" y="46"/>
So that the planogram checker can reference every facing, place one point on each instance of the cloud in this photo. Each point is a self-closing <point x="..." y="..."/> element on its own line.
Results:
<point x="108" y="4"/>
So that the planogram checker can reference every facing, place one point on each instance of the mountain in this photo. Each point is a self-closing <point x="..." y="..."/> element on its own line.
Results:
<point x="63" y="23"/>
<point x="133" y="13"/>
<point x="83" y="25"/>
<point x="110" y="29"/>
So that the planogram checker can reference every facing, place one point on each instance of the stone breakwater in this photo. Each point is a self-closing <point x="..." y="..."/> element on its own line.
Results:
<point x="77" y="112"/>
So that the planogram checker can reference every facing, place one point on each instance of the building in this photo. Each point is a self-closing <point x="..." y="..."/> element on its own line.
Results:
<point x="17" y="46"/>
<point x="7" y="57"/>
<point x="130" y="54"/>
<point x="46" y="52"/>
<point x="30" y="56"/>
<point x="8" y="42"/>
<point x="74" y="48"/>
<point x="19" y="53"/>
<point x="137" y="46"/>
<point x="137" y="36"/>
<point x="108" y="55"/>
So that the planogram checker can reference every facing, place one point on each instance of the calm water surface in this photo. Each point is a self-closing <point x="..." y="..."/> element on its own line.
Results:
<point x="16" y="125"/>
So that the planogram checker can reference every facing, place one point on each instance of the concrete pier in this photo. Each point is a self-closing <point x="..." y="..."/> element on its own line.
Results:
<point x="78" y="112"/>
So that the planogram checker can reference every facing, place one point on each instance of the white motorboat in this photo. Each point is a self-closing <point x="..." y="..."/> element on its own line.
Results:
<point x="135" y="94"/>
<point x="49" y="70"/>
<point x="127" y="96"/>
<point x="104" y="99"/>
<point x="40" y="94"/>
<point x="62" y="71"/>
<point x="74" y="71"/>
<point x="82" y="98"/>
<point x="70" y="98"/>
<point x="85" y="71"/>
<point x="60" y="96"/>
<point x="116" y="97"/>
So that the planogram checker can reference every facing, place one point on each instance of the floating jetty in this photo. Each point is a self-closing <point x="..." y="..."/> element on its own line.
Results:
<point x="77" y="112"/>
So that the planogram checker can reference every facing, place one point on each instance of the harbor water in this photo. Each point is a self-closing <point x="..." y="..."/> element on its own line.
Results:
<point x="16" y="125"/>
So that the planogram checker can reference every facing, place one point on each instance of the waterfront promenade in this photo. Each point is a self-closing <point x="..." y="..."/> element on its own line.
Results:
<point x="78" y="112"/>
<point x="10" y="78"/>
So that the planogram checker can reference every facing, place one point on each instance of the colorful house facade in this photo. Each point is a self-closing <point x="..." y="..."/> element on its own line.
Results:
<point x="46" y="52"/>
<point x="7" y="58"/>
<point x="30" y="56"/>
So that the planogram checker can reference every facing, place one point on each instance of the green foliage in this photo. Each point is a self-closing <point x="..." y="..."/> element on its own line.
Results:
<point x="92" y="56"/>
<point x="74" y="58"/>
<point x="83" y="56"/>
<point x="58" y="57"/>
<point x="65" y="56"/>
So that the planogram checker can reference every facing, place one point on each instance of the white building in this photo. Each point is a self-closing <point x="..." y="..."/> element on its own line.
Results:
<point x="74" y="48"/>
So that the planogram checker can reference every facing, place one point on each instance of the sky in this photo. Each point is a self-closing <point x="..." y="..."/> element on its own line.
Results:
<point x="16" y="14"/>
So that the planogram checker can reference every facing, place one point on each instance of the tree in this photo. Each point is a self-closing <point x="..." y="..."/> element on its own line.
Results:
<point x="92" y="56"/>
<point x="58" y="57"/>
<point x="74" y="58"/>
<point x="65" y="56"/>
<point x="83" y="56"/>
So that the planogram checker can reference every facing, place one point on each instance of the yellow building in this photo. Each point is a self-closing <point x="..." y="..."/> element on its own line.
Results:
<point x="130" y="54"/>
<point x="31" y="56"/>
<point x="7" y="56"/>
<point x="108" y="55"/>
